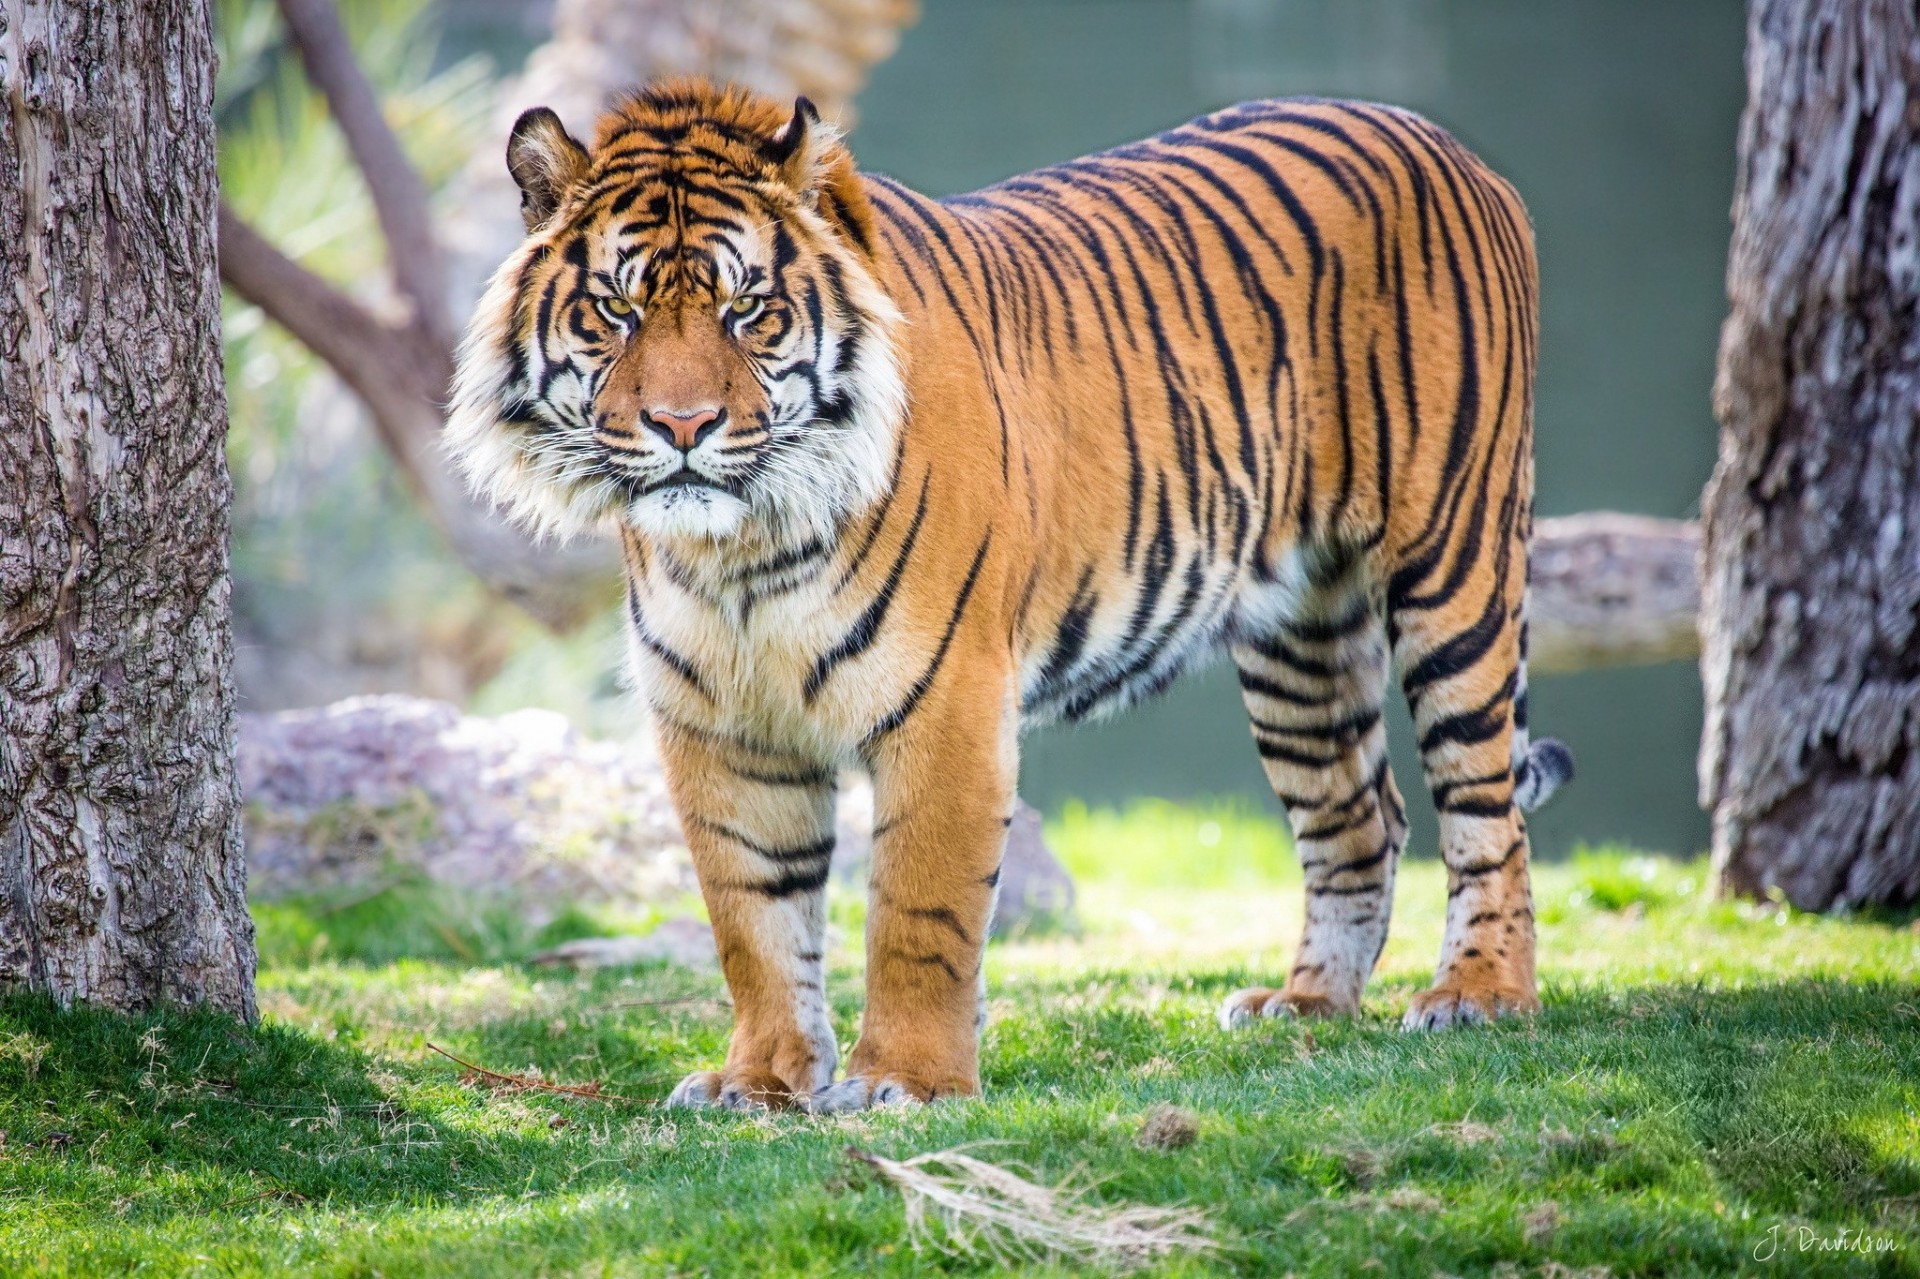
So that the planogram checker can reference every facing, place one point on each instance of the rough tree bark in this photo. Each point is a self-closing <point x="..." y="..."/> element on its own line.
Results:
<point x="1810" y="625"/>
<point x="121" y="876"/>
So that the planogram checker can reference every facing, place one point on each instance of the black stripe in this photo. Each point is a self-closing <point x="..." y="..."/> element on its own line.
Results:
<point x="1458" y="652"/>
<point x="675" y="662"/>
<point x="1339" y="825"/>
<point x="780" y="563"/>
<point x="1287" y="755"/>
<point x="898" y="715"/>
<point x="944" y="964"/>
<point x="1254" y="682"/>
<point x="1069" y="639"/>
<point x="806" y="778"/>
<point x="791" y="883"/>
<point x="1275" y="649"/>
<point x="819" y="849"/>
<point x="1443" y="792"/>
<point x="943" y="916"/>
<point x="1349" y="728"/>
<point x="1470" y="727"/>
<point x="867" y="626"/>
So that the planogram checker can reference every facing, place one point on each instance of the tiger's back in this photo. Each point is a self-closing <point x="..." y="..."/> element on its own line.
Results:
<point x="940" y="468"/>
<point x="1213" y="353"/>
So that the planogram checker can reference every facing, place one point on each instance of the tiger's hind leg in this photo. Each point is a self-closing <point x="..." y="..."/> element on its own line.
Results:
<point x="1460" y="655"/>
<point x="1313" y="686"/>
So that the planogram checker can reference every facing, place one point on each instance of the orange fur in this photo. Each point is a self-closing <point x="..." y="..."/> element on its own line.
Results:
<point x="1263" y="382"/>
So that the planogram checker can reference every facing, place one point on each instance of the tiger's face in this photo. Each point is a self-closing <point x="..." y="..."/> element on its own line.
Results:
<point x="693" y="340"/>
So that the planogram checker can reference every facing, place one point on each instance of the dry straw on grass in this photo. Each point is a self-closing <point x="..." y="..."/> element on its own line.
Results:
<point x="526" y="1081"/>
<point x="964" y="1206"/>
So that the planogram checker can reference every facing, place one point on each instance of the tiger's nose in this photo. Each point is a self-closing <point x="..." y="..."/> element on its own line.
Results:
<point x="682" y="429"/>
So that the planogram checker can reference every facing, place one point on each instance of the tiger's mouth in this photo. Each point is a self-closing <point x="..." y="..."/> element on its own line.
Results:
<point x="687" y="478"/>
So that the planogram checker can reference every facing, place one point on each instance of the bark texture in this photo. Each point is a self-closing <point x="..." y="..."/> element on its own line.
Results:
<point x="121" y="875"/>
<point x="1810" y="626"/>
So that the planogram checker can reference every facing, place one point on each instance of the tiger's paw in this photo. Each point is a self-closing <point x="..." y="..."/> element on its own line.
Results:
<point x="1447" y="1006"/>
<point x="1243" y="1007"/>
<point x="732" y="1090"/>
<point x="868" y="1090"/>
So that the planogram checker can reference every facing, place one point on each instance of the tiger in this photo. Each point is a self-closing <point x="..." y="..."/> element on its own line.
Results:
<point x="894" y="478"/>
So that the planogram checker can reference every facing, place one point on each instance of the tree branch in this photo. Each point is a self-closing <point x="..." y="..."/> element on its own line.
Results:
<point x="399" y="196"/>
<point x="401" y="375"/>
<point x="390" y="368"/>
<point x="401" y="370"/>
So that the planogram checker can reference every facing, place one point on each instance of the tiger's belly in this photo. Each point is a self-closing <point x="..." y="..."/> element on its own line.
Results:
<point x="789" y="670"/>
<point x="1127" y="637"/>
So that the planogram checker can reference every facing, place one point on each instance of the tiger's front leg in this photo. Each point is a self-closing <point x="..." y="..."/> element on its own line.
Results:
<point x="761" y="829"/>
<point x="943" y="791"/>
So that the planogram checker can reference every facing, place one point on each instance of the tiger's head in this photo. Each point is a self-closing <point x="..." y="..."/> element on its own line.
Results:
<point x="694" y="339"/>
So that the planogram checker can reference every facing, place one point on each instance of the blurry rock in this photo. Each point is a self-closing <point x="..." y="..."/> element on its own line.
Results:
<point x="1036" y="893"/>
<point x="685" y="942"/>
<point x="345" y="794"/>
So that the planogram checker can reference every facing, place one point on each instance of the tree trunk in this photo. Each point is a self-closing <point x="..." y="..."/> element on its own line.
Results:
<point x="1810" y="623"/>
<point x="121" y="875"/>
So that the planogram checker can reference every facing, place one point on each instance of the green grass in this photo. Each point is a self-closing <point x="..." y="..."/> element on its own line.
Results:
<point x="1703" y="1073"/>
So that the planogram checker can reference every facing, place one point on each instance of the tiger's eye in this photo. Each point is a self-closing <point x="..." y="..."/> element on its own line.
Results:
<point x="745" y="304"/>
<point x="619" y="306"/>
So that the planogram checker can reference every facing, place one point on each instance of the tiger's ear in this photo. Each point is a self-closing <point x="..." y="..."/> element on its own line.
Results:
<point x="544" y="160"/>
<point x="799" y="145"/>
<point x="816" y="166"/>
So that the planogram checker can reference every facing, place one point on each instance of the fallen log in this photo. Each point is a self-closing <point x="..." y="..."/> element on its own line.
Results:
<point x="1613" y="590"/>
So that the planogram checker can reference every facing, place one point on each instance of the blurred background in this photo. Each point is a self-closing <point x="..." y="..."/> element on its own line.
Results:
<point x="1616" y="121"/>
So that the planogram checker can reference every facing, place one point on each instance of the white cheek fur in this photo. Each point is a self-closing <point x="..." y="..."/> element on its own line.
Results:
<point x="550" y="477"/>
<point x="541" y="472"/>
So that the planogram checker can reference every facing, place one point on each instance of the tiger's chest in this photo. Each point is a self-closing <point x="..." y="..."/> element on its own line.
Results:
<point x="787" y="660"/>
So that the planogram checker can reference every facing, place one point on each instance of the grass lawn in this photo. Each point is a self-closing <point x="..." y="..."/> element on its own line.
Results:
<point x="1703" y="1074"/>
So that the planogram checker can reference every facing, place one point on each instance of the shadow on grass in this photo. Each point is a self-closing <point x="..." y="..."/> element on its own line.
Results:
<point x="1671" y="1123"/>
<point x="1765" y="1077"/>
<point x="190" y="1112"/>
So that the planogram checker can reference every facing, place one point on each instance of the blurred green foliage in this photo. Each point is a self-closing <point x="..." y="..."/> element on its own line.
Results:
<point x="405" y="916"/>
<point x="583" y="676"/>
<point x="285" y="168"/>
<point x="324" y="527"/>
<point x="1155" y="843"/>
